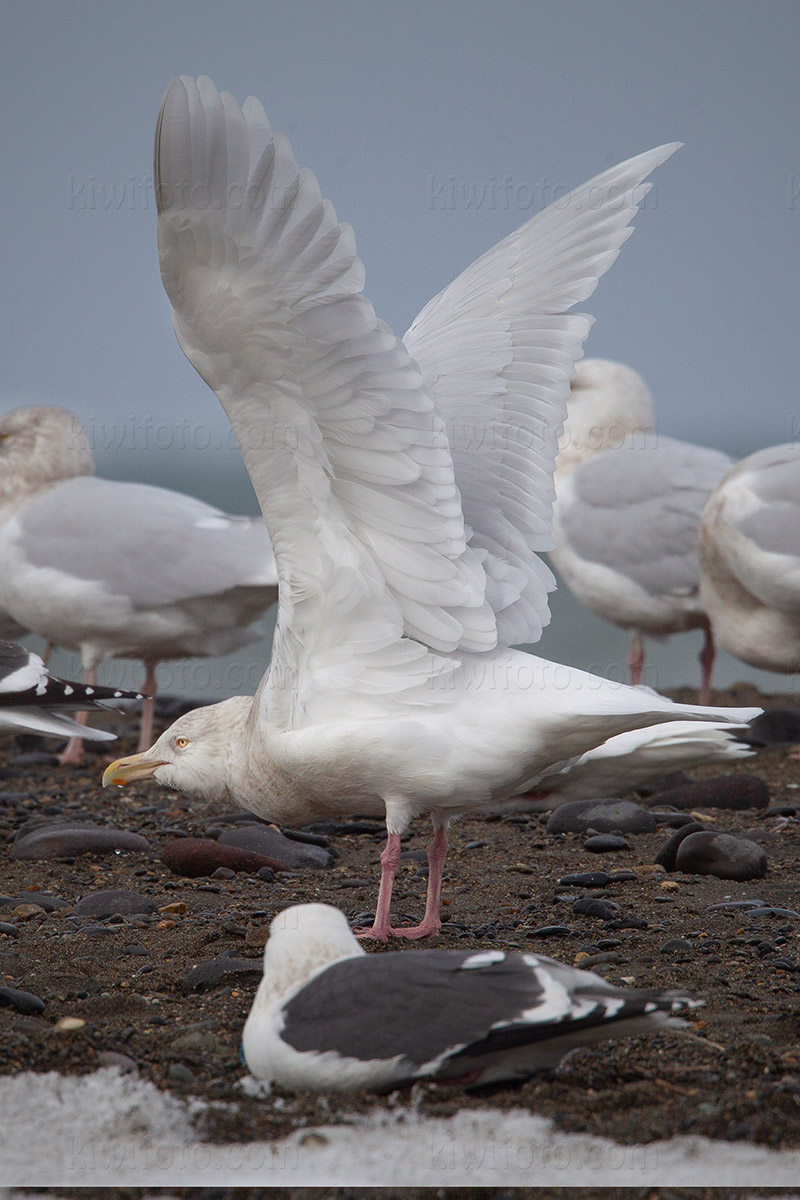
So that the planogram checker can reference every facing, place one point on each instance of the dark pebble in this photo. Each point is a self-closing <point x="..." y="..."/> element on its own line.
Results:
<point x="22" y="1002"/>
<point x="55" y="840"/>
<point x="196" y="857"/>
<point x="736" y="904"/>
<point x="664" y="783"/>
<point x="8" y="929"/>
<point x="785" y="964"/>
<point x="333" y="828"/>
<point x="628" y="923"/>
<point x="676" y="946"/>
<point x="673" y="819"/>
<point x="781" y="810"/>
<point x="602" y="842"/>
<point x="137" y="951"/>
<point x="116" y="900"/>
<point x="724" y="791"/>
<point x="589" y="906"/>
<point x="777" y="727"/>
<point x="721" y="855"/>
<point x="265" y="873"/>
<point x="589" y="879"/>
<point x="263" y="839"/>
<point x="769" y="910"/>
<point x="546" y="931"/>
<point x="623" y="876"/>
<point x="666" y="855"/>
<point x="178" y="1073"/>
<point x="227" y="873"/>
<point x="418" y="856"/>
<point x="306" y="836"/>
<point x="208" y="974"/>
<point x="602" y="816"/>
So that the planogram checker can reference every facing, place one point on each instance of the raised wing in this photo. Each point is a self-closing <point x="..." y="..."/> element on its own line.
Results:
<point x="497" y="350"/>
<point x="348" y="458"/>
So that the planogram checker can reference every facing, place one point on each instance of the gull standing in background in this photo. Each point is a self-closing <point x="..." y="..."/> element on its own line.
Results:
<point x="120" y="570"/>
<point x="627" y="512"/>
<point x="750" y="559"/>
<point x="406" y="546"/>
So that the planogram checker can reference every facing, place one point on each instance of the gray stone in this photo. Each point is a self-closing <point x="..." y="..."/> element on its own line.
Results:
<point x="721" y="855"/>
<point x="601" y="816"/>
<point x="263" y="839"/>
<point x="116" y="900"/>
<point x="55" y="840"/>
<point x="667" y="853"/>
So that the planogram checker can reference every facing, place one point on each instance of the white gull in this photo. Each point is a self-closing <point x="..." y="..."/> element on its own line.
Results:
<point x="406" y="545"/>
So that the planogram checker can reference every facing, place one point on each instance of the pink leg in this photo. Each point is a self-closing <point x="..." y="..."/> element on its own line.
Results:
<point x="636" y="658"/>
<point x="72" y="754"/>
<point x="148" y="706"/>
<point x="430" y="924"/>
<point x="707" y="655"/>
<point x="389" y="860"/>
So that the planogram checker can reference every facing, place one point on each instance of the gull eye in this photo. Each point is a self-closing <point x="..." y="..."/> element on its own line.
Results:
<point x="181" y="742"/>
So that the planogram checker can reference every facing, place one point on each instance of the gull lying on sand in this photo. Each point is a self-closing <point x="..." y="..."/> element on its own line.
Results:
<point x="329" y="1018"/>
<point x="406" y="546"/>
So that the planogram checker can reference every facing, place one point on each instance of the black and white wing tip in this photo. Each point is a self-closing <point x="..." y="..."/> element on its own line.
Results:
<point x="25" y="681"/>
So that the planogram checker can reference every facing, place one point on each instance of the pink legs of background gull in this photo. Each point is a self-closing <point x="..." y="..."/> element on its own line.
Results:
<point x="437" y="852"/>
<point x="706" y="656"/>
<point x="72" y="754"/>
<point x="707" y="663"/>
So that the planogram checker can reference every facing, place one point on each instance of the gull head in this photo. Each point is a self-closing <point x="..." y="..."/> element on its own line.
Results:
<point x="195" y="755"/>
<point x="40" y="446"/>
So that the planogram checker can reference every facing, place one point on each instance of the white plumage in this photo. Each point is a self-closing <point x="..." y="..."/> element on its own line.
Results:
<point x="329" y="1018"/>
<point x="750" y="559"/>
<point x="120" y="570"/>
<point x="404" y="567"/>
<point x="628" y="508"/>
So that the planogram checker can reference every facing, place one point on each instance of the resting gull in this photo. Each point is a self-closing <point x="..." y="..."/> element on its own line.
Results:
<point x="327" y="1017"/>
<point x="750" y="559"/>
<point x="627" y="512"/>
<point x="120" y="570"/>
<point x="32" y="700"/>
<point x="406" y="545"/>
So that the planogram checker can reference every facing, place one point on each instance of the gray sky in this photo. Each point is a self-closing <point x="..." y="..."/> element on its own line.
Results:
<point x="435" y="128"/>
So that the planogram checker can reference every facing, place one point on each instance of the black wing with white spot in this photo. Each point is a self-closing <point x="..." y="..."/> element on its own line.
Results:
<point x="25" y="682"/>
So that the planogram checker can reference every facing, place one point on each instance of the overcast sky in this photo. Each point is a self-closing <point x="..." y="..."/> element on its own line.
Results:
<point x="435" y="128"/>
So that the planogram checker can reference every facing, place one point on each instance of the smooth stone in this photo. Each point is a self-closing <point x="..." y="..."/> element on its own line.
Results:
<point x="676" y="945"/>
<point x="70" y="841"/>
<point x="666" y="855"/>
<point x="8" y="929"/>
<point x="22" y="1002"/>
<point x="724" y="791"/>
<point x="116" y="900"/>
<point x="178" y="1073"/>
<point x="305" y="835"/>
<point x="263" y="839"/>
<point x="208" y="974"/>
<point x="590" y="906"/>
<point x="113" y="1058"/>
<point x="602" y="816"/>
<point x="590" y="879"/>
<point x="776" y="727"/>
<point x="721" y="855"/>
<point x="138" y="951"/>
<point x="196" y="857"/>
<point x="603" y="842"/>
<point x="546" y="931"/>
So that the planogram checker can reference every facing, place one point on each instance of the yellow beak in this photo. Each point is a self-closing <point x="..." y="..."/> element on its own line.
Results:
<point x="129" y="770"/>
